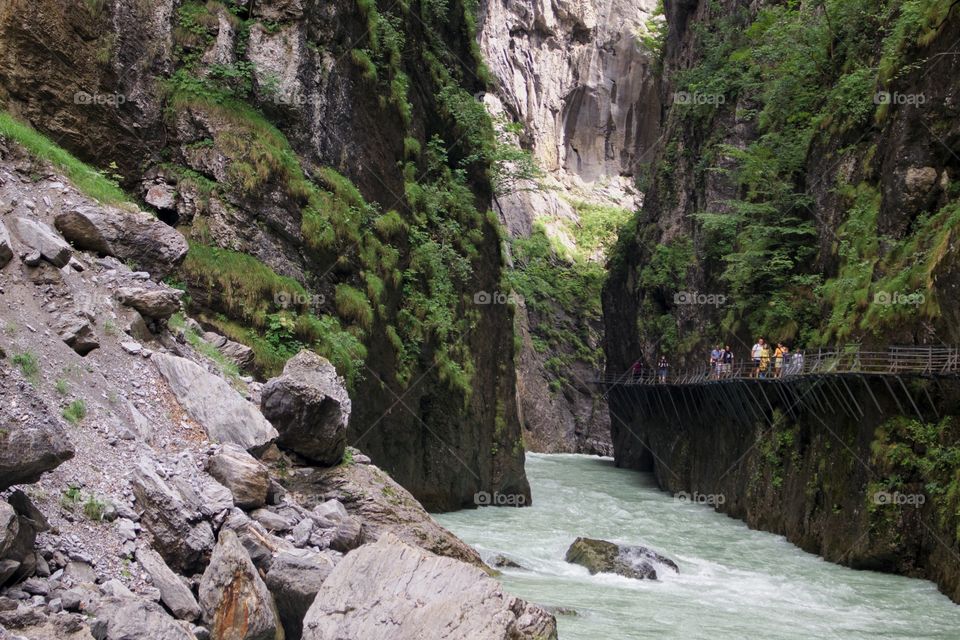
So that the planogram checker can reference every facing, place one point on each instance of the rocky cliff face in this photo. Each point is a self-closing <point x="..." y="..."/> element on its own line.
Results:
<point x="300" y="148"/>
<point x="805" y="188"/>
<point x="145" y="494"/>
<point x="575" y="76"/>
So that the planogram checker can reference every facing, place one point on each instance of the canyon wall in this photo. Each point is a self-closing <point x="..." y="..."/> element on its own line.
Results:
<point x="330" y="168"/>
<point x="804" y="189"/>
<point x="576" y="77"/>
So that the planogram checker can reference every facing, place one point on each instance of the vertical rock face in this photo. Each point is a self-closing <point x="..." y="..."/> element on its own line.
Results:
<point x="872" y="195"/>
<point x="320" y="124"/>
<point x="575" y="75"/>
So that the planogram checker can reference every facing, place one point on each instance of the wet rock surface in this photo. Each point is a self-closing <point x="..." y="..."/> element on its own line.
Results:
<point x="631" y="561"/>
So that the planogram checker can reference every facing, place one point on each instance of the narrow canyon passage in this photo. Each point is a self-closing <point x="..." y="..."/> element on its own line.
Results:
<point x="733" y="582"/>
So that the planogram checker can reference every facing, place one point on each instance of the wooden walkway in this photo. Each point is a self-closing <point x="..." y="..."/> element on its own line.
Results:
<point x="822" y="382"/>
<point x="918" y="361"/>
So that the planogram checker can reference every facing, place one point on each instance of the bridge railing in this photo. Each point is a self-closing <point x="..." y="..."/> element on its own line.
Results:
<point x="932" y="360"/>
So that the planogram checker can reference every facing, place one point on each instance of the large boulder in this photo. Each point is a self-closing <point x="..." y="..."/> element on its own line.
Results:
<point x="173" y="592"/>
<point x="225" y="415"/>
<point x="21" y="548"/>
<point x="41" y="239"/>
<point x="9" y="527"/>
<point x="235" y="601"/>
<point x="152" y="301"/>
<point x="180" y="533"/>
<point x="6" y="248"/>
<point x="32" y="439"/>
<point x="129" y="236"/>
<point x="126" y="617"/>
<point x="294" y="580"/>
<point x="310" y="408"/>
<point x="373" y="497"/>
<point x="632" y="561"/>
<point x="246" y="478"/>
<point x="389" y="589"/>
<point x="77" y="332"/>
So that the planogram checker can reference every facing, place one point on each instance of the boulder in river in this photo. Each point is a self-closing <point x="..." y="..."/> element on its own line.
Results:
<point x="632" y="561"/>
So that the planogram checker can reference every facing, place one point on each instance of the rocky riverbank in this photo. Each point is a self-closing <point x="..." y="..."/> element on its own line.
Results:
<point x="151" y="492"/>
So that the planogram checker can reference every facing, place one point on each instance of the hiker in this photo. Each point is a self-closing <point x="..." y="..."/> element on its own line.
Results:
<point x="636" y="371"/>
<point x="778" y="357"/>
<point x="764" y="361"/>
<point x="718" y="365"/>
<point x="662" y="368"/>
<point x="796" y="362"/>
<point x="756" y="353"/>
<point x="726" y="366"/>
<point x="715" y="356"/>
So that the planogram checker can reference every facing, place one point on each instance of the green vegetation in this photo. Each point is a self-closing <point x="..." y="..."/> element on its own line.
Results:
<point x="94" y="508"/>
<point x="805" y="75"/>
<point x="87" y="179"/>
<point x="272" y="313"/>
<point x="559" y="270"/>
<point x="29" y="366"/>
<point x="62" y="386"/>
<point x="912" y="457"/>
<point x="653" y="34"/>
<point x="75" y="412"/>
<point x="412" y="265"/>
<point x="71" y="497"/>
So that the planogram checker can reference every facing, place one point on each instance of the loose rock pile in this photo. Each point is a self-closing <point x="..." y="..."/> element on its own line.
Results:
<point x="146" y="497"/>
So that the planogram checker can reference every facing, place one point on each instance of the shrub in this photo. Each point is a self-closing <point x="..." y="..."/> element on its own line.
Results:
<point x="353" y="305"/>
<point x="29" y="366"/>
<point x="75" y="411"/>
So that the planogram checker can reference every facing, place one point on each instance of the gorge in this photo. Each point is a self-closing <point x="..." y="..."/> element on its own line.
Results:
<point x="281" y="276"/>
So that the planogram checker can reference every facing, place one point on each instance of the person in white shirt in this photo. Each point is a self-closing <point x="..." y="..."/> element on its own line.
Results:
<point x="756" y="353"/>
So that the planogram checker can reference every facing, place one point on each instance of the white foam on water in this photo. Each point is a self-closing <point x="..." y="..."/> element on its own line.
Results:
<point x="734" y="582"/>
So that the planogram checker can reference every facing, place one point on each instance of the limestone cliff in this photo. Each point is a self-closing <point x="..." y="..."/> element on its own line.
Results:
<point x="324" y="161"/>
<point x="578" y="80"/>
